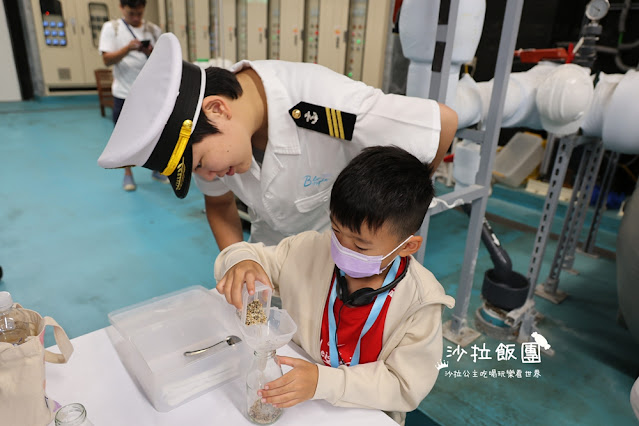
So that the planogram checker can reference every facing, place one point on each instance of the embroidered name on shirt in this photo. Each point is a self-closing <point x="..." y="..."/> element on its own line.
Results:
<point x="314" y="181"/>
<point x="329" y="121"/>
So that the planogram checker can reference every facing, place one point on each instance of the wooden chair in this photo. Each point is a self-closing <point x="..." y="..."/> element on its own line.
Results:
<point x="103" y="79"/>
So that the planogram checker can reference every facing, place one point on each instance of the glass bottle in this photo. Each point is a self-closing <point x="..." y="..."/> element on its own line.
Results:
<point x="12" y="330"/>
<point x="72" y="415"/>
<point x="264" y="369"/>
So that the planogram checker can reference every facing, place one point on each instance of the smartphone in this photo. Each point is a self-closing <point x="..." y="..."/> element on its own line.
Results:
<point x="145" y="43"/>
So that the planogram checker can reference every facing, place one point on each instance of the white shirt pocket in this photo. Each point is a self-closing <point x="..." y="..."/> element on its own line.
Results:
<point x="309" y="204"/>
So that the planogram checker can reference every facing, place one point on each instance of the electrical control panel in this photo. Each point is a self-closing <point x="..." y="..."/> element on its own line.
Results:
<point x="252" y="18"/>
<point x="67" y="35"/>
<point x="176" y="23"/>
<point x="198" y="22"/>
<point x="286" y="27"/>
<point x="356" y="39"/>
<point x="326" y="26"/>
<point x="311" y="30"/>
<point x="378" y="24"/>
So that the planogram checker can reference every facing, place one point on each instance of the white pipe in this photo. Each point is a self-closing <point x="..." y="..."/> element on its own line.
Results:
<point x="417" y="33"/>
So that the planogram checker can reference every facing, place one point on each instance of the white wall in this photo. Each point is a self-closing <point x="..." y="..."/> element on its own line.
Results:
<point x="9" y="85"/>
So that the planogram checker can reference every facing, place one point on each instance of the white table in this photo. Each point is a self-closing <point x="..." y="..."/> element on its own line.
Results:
<point x="96" y="378"/>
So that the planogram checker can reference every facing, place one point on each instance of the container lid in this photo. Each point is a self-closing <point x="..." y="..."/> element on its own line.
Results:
<point x="6" y="302"/>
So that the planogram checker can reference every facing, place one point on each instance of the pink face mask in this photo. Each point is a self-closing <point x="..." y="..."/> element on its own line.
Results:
<point x="358" y="265"/>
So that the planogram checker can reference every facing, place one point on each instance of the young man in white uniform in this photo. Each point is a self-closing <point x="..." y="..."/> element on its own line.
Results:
<point x="309" y="122"/>
<point x="126" y="44"/>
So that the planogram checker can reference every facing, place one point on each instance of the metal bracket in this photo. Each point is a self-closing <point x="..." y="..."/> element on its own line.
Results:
<point x="463" y="337"/>
<point x="556" y="296"/>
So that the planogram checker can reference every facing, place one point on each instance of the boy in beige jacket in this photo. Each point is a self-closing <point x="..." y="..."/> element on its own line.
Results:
<point x="367" y="312"/>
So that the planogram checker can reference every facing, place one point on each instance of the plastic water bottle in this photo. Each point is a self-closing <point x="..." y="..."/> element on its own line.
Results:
<point x="12" y="329"/>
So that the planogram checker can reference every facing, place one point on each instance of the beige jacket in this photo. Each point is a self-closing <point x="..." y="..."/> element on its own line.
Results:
<point x="301" y="268"/>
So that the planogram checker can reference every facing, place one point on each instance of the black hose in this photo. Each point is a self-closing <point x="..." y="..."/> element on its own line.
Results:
<point x="502" y="264"/>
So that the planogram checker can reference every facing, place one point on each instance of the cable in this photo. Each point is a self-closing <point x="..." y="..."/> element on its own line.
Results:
<point x="458" y="202"/>
<point x="623" y="16"/>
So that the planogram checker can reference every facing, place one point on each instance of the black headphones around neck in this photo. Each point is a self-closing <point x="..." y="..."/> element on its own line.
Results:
<point x="365" y="295"/>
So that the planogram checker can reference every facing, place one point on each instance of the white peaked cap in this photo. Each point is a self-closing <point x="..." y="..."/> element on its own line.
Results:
<point x="158" y="116"/>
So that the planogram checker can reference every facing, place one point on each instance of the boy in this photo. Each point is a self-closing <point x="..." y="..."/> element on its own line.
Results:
<point x="366" y="311"/>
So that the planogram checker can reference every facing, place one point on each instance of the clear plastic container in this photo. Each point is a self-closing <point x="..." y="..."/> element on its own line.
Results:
<point x="264" y="369"/>
<point x="151" y="338"/>
<point x="256" y="306"/>
<point x="12" y="330"/>
<point x="466" y="163"/>
<point x="518" y="159"/>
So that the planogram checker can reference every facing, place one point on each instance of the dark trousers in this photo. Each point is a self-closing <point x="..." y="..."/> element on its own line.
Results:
<point x="117" y="108"/>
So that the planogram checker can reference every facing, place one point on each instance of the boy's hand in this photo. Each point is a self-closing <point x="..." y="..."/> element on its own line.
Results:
<point x="246" y="271"/>
<point x="298" y="385"/>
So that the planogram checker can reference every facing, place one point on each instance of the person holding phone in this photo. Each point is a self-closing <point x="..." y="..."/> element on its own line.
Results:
<point x="126" y="43"/>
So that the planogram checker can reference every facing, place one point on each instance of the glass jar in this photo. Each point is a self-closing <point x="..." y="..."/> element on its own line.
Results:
<point x="72" y="415"/>
<point x="264" y="369"/>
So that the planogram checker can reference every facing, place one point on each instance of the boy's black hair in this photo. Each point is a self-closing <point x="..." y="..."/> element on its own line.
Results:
<point x="383" y="184"/>
<point x="221" y="82"/>
<point x="133" y="3"/>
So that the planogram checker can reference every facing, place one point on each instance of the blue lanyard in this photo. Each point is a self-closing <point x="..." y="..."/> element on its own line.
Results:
<point x="129" y="28"/>
<point x="372" y="317"/>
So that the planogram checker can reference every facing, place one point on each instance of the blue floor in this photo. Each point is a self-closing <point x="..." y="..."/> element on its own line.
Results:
<point x="75" y="246"/>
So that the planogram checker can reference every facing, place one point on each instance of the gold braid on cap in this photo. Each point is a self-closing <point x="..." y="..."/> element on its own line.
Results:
<point x="180" y="146"/>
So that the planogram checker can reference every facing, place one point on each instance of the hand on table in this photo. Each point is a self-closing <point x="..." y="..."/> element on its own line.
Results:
<point x="298" y="385"/>
<point x="246" y="271"/>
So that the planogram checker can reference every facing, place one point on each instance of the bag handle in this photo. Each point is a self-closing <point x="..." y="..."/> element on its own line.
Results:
<point x="63" y="342"/>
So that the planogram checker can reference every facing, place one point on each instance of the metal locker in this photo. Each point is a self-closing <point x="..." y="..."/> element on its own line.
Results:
<point x="331" y="34"/>
<point x="176" y="23"/>
<point x="286" y="28"/>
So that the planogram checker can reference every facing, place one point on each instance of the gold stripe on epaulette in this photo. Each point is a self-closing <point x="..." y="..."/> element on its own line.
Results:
<point x="339" y="122"/>
<point x="330" y="121"/>
<point x="335" y="125"/>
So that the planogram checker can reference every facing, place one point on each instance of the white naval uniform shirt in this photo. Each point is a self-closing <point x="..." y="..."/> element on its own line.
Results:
<point x="290" y="192"/>
<point x="126" y="71"/>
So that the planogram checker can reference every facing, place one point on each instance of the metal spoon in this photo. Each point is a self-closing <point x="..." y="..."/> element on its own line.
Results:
<point x="230" y="340"/>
